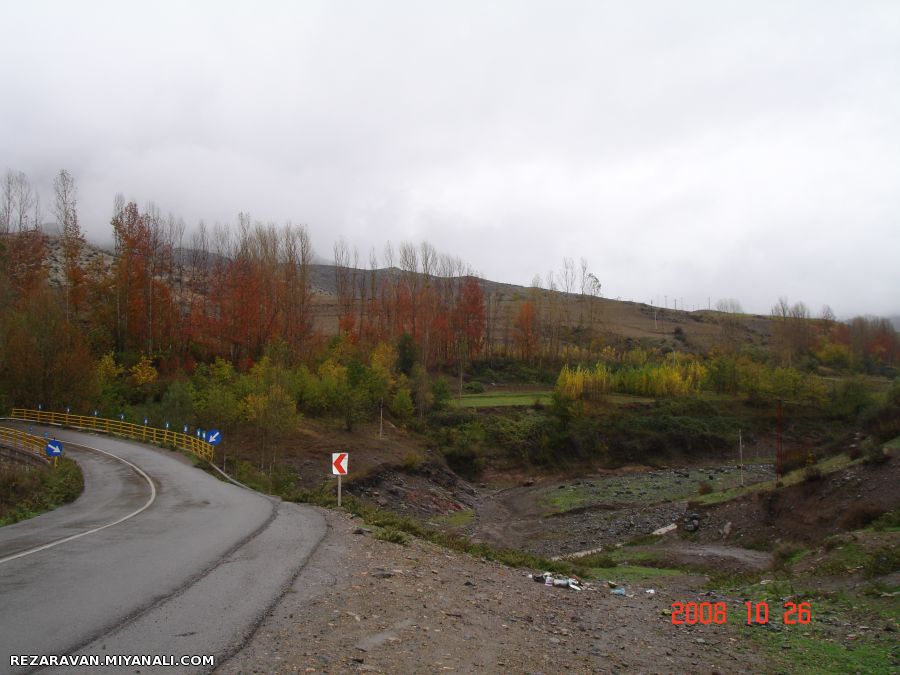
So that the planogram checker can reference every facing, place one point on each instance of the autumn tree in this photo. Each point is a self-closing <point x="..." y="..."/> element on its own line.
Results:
<point x="468" y="324"/>
<point x="23" y="241"/>
<point x="525" y="332"/>
<point x="72" y="241"/>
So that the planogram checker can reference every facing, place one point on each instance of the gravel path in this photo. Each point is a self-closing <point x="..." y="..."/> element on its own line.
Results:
<point x="386" y="608"/>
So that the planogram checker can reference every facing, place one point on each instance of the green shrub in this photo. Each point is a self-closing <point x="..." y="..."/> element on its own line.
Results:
<point x="392" y="535"/>
<point x="466" y="461"/>
<point x="884" y="560"/>
<point x="474" y="387"/>
<point x="411" y="462"/>
<point x="782" y="554"/>
<point x="888" y="521"/>
<point x="401" y="405"/>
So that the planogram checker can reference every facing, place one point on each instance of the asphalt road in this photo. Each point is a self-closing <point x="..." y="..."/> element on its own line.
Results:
<point x="188" y="566"/>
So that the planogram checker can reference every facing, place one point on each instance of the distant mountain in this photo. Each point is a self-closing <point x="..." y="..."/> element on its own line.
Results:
<point x="895" y="320"/>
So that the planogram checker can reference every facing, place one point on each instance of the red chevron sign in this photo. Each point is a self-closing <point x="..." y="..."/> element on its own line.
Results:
<point x="339" y="463"/>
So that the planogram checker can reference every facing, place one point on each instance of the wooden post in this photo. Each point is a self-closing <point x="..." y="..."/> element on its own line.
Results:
<point x="339" y="490"/>
<point x="778" y="446"/>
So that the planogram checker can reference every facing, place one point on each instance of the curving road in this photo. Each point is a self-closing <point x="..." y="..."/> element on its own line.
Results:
<point x="155" y="558"/>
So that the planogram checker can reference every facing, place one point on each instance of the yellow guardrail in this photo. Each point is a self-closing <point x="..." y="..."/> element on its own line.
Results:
<point x="147" y="434"/>
<point x="19" y="440"/>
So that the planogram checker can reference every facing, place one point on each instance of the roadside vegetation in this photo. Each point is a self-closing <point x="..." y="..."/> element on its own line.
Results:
<point x="26" y="492"/>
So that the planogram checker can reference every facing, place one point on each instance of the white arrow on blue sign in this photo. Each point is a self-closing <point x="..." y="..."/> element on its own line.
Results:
<point x="54" y="448"/>
<point x="214" y="437"/>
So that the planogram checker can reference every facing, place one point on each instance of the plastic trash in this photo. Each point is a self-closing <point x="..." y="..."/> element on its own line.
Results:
<point x="618" y="591"/>
<point x="650" y="591"/>
<point x="559" y="582"/>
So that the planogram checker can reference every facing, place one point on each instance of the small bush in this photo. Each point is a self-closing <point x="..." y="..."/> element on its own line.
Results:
<point x="833" y="542"/>
<point x="873" y="453"/>
<point x="411" y="462"/>
<point x="884" y="560"/>
<point x="782" y="554"/>
<point x="705" y="488"/>
<point x="392" y="535"/>
<point x="473" y="387"/>
<point x="812" y="474"/>
<point x="888" y="521"/>
<point x="798" y="460"/>
<point x="855" y="452"/>
<point x="861" y="514"/>
<point x="465" y="461"/>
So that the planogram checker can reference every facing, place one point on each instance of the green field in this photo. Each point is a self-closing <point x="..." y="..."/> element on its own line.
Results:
<point x="503" y="399"/>
<point x="507" y="399"/>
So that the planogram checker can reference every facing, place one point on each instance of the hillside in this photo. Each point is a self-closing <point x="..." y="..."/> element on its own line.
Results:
<point x="579" y="319"/>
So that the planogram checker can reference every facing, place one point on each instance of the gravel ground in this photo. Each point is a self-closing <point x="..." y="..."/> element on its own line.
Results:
<point x="366" y="605"/>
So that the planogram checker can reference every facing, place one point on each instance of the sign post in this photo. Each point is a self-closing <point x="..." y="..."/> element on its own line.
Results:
<point x="54" y="449"/>
<point x="339" y="468"/>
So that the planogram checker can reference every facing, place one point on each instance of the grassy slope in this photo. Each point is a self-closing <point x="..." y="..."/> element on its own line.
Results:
<point x="25" y="493"/>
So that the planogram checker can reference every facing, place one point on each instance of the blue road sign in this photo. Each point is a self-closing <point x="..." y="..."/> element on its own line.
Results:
<point x="214" y="437"/>
<point x="145" y="421"/>
<point x="185" y="428"/>
<point x="54" y="448"/>
<point x="198" y="433"/>
<point x="167" y="426"/>
<point x="122" y="416"/>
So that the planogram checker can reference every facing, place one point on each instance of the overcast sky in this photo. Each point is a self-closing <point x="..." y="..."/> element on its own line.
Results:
<point x="689" y="149"/>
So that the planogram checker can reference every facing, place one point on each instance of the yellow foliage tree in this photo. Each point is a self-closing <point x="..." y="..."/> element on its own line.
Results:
<point x="143" y="371"/>
<point x="107" y="369"/>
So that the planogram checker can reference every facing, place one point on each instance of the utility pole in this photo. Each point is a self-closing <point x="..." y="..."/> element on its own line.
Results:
<point x="778" y="443"/>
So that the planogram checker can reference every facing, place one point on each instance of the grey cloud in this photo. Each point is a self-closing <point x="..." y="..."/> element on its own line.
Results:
<point x="692" y="149"/>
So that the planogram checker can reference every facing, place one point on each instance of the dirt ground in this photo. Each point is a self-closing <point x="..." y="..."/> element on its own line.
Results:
<point x="600" y="510"/>
<point x="386" y="608"/>
<point x="807" y="512"/>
